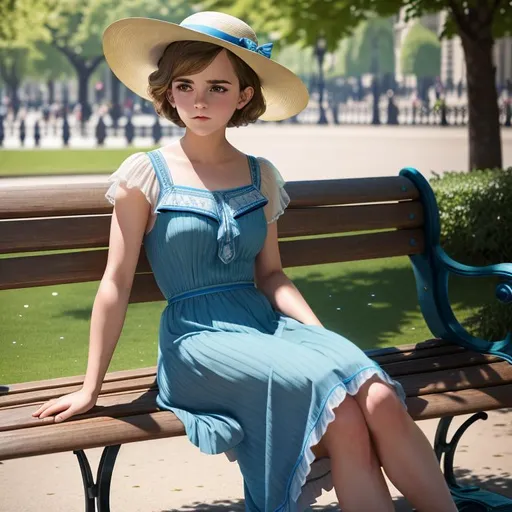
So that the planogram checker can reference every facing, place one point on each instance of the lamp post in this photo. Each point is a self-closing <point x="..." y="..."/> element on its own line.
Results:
<point x="320" y="49"/>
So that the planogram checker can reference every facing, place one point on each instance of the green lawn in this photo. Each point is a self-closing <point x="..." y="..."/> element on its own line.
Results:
<point x="373" y="303"/>
<point x="58" y="161"/>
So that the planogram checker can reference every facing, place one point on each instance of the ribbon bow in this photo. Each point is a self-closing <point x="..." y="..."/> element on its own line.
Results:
<point x="264" y="49"/>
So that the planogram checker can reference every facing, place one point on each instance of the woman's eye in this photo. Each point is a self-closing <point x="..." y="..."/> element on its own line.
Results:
<point x="218" y="88"/>
<point x="183" y="87"/>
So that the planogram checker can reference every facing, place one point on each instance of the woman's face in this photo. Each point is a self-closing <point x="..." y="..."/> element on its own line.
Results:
<point x="207" y="100"/>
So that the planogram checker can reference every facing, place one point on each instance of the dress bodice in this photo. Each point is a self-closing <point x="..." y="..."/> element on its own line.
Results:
<point x="204" y="238"/>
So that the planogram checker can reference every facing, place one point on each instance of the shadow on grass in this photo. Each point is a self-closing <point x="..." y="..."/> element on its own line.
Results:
<point x="368" y="306"/>
<point x="78" y="314"/>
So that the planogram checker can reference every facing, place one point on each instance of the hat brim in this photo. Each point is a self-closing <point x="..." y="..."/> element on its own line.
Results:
<point x="133" y="46"/>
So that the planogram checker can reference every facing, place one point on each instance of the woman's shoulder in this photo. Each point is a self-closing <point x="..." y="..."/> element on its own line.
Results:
<point x="136" y="171"/>
<point x="135" y="162"/>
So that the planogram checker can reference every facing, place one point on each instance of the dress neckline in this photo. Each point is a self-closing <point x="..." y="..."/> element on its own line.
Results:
<point x="253" y="169"/>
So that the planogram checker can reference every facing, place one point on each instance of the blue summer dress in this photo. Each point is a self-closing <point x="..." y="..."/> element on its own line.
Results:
<point x="243" y="378"/>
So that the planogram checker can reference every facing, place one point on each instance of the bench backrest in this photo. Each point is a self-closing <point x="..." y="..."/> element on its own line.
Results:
<point x="45" y="220"/>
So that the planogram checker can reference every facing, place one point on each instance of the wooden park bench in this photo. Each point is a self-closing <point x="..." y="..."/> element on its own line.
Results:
<point x="449" y="375"/>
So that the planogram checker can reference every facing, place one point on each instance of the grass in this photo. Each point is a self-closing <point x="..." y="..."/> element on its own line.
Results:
<point x="373" y="303"/>
<point x="58" y="161"/>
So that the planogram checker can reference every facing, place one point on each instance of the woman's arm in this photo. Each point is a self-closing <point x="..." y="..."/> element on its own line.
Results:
<point x="276" y="286"/>
<point x="129" y="221"/>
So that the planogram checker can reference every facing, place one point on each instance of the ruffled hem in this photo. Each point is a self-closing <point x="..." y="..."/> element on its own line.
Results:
<point x="303" y="492"/>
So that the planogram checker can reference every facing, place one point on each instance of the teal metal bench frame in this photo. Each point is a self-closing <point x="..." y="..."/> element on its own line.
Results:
<point x="432" y="269"/>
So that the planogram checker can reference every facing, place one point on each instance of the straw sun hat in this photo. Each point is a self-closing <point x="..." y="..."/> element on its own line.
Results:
<point x="133" y="46"/>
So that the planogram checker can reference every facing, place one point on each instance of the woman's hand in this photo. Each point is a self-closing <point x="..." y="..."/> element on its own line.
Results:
<point x="66" y="406"/>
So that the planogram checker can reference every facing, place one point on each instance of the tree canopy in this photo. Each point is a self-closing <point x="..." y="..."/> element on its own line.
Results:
<point x="421" y="53"/>
<point x="303" y="21"/>
<point x="372" y="49"/>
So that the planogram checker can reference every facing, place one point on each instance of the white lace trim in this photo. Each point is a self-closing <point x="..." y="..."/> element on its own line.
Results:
<point x="135" y="172"/>
<point x="272" y="187"/>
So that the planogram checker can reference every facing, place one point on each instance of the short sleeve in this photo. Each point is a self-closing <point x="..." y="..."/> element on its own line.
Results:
<point x="272" y="187"/>
<point x="135" y="172"/>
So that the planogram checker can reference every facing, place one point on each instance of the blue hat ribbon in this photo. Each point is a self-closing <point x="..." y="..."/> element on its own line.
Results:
<point x="243" y="42"/>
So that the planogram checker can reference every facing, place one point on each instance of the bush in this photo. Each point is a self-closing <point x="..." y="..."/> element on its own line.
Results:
<point x="476" y="229"/>
<point x="491" y="322"/>
<point x="476" y="215"/>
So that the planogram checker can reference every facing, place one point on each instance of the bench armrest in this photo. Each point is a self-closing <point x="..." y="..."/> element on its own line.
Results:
<point x="432" y="269"/>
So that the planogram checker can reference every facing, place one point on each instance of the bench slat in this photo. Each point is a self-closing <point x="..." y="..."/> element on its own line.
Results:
<point x="460" y="362"/>
<point x="351" y="191"/>
<point x="143" y="400"/>
<point x="50" y="269"/>
<point x="344" y="219"/>
<point x="120" y="404"/>
<point x="120" y="375"/>
<point x="21" y="201"/>
<point x="89" y="433"/>
<point x="432" y="364"/>
<point x="298" y="253"/>
<point x="454" y="403"/>
<point x="103" y="431"/>
<point x="475" y="377"/>
<point x="43" y="234"/>
<point x="58" y="199"/>
<point x="16" y="399"/>
<point x="408" y="355"/>
<point x="37" y="234"/>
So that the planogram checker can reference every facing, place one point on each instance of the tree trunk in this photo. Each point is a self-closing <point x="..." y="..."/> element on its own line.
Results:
<point x="50" y="84"/>
<point x="84" y="74"/>
<point x="12" y="91"/>
<point x="12" y="82"/>
<point x="115" y="99"/>
<point x="484" y="125"/>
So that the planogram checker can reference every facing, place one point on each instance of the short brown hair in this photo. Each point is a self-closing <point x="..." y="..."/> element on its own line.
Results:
<point x="190" y="57"/>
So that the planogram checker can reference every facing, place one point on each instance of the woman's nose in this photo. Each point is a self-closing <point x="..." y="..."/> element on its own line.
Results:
<point x="200" y="101"/>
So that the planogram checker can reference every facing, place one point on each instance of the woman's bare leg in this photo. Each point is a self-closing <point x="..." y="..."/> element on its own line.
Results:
<point x="403" y="450"/>
<point x="356" y="473"/>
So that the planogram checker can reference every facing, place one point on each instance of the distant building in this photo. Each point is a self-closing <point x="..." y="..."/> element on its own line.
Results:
<point x="453" y="66"/>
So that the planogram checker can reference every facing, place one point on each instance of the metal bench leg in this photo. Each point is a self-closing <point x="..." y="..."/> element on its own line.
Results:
<point x="89" y="486"/>
<point x="99" y="492"/>
<point x="470" y="498"/>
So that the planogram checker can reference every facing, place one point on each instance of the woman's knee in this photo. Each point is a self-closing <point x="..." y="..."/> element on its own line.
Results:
<point x="348" y="427"/>
<point x="378" y="401"/>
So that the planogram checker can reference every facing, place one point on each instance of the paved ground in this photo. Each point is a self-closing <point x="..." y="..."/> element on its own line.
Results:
<point x="172" y="475"/>
<point x="313" y="152"/>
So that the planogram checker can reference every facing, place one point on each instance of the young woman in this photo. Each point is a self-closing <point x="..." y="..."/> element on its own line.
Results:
<point x="243" y="361"/>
